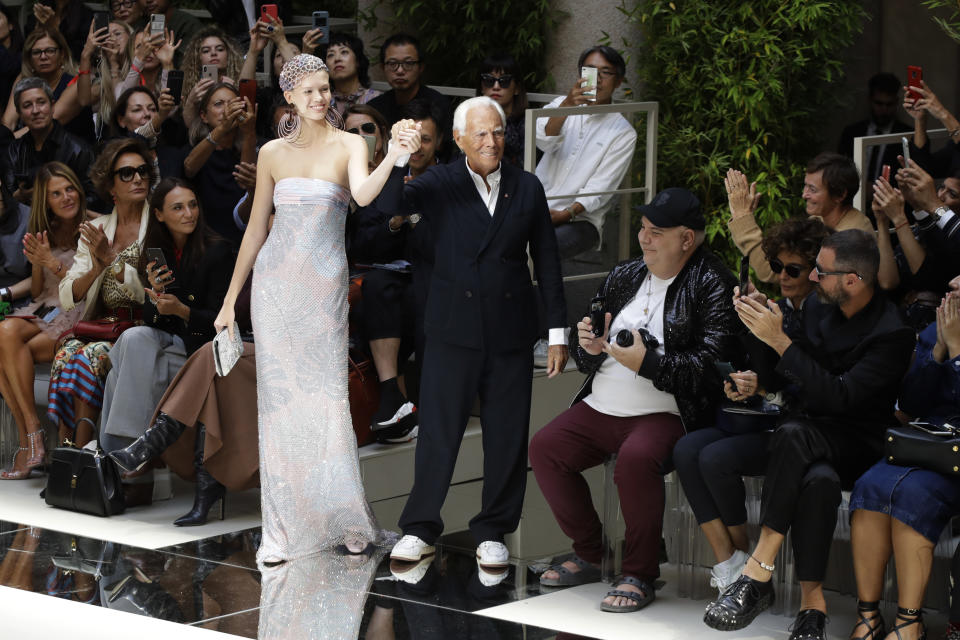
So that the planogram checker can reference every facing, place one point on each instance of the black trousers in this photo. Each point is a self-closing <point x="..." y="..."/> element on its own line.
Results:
<point x="802" y="488"/>
<point x="389" y="309"/>
<point x="452" y="378"/>
<point x="711" y="464"/>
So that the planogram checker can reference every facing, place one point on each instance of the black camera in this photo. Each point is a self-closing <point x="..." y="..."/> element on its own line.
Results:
<point x="625" y="338"/>
<point x="598" y="317"/>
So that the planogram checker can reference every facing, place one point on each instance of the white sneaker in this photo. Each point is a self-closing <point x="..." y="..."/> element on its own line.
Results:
<point x="491" y="576"/>
<point x="410" y="572"/>
<point x="411" y="549"/>
<point x="492" y="554"/>
<point x="723" y="574"/>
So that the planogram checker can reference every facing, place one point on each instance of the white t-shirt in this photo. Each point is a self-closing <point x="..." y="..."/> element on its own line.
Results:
<point x="618" y="391"/>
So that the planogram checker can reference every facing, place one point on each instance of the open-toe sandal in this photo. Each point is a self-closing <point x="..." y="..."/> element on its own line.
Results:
<point x="908" y="618"/>
<point x="640" y="600"/>
<point x="586" y="574"/>
<point x="873" y="624"/>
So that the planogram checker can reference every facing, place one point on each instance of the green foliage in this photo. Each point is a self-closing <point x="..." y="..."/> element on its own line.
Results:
<point x="741" y="85"/>
<point x="456" y="35"/>
<point x="951" y="23"/>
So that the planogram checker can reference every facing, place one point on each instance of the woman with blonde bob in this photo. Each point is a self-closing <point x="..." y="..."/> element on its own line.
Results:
<point x="56" y="213"/>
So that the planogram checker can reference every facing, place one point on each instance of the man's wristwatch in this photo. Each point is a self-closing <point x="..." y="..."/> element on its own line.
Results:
<point x="6" y="295"/>
<point x="939" y="212"/>
<point x="573" y="212"/>
<point x="414" y="219"/>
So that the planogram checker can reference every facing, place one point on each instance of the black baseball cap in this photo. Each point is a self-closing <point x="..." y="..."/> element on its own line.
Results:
<point x="675" y="207"/>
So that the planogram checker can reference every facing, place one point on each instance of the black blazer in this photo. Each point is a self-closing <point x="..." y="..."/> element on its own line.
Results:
<point x="202" y="288"/>
<point x="480" y="293"/>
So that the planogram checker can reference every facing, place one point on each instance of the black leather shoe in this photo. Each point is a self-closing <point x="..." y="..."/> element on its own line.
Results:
<point x="154" y="441"/>
<point x="809" y="625"/>
<point x="736" y="607"/>
<point x="208" y="490"/>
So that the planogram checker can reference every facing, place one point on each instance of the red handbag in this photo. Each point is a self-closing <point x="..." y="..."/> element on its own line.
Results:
<point x="106" y="330"/>
<point x="364" y="390"/>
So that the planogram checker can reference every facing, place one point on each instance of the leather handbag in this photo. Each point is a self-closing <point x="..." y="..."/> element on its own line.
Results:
<point x="84" y="480"/>
<point x="927" y="445"/>
<point x="106" y="330"/>
<point x="88" y="555"/>
<point x="364" y="390"/>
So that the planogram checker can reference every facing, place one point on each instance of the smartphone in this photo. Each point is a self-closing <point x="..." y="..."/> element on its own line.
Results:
<point x="597" y="315"/>
<point x="101" y="20"/>
<point x="590" y="73"/>
<point x="725" y="369"/>
<point x="248" y="90"/>
<point x="744" y="275"/>
<point x="269" y="10"/>
<point x="175" y="84"/>
<point x="157" y="23"/>
<point x="320" y="21"/>
<point x="155" y="254"/>
<point x="371" y="145"/>
<point x="210" y="72"/>
<point x="914" y="77"/>
<point x="906" y="151"/>
<point x="886" y="172"/>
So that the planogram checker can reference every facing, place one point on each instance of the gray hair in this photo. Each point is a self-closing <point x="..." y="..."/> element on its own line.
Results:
<point x="26" y="84"/>
<point x="460" y="115"/>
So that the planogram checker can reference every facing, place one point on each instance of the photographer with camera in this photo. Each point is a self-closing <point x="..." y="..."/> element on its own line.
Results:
<point x="675" y="303"/>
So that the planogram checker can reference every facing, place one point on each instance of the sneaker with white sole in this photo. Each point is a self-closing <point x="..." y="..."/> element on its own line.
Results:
<point x="491" y="576"/>
<point x="410" y="572"/>
<point x="723" y="574"/>
<point x="411" y="549"/>
<point x="492" y="554"/>
<point x="402" y="412"/>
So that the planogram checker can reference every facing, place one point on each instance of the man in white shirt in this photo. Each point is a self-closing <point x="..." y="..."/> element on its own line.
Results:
<point x="674" y="306"/>
<point x="585" y="154"/>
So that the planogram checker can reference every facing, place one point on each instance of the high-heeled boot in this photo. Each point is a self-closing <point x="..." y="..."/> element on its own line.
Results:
<point x="209" y="491"/>
<point x="154" y="441"/>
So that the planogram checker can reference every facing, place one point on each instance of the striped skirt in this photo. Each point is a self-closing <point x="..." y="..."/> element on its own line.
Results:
<point x="79" y="370"/>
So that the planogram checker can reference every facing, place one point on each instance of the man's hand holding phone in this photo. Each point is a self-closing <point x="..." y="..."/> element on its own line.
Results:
<point x="589" y="341"/>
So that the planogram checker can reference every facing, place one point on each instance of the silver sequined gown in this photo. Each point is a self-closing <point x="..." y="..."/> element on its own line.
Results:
<point x="311" y="491"/>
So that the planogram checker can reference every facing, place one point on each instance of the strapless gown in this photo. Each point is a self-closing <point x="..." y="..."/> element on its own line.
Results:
<point x="311" y="492"/>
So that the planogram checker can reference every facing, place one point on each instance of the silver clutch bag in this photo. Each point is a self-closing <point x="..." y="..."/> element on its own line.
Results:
<point x="226" y="352"/>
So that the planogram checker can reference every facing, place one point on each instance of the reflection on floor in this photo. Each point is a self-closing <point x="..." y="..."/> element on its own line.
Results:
<point x="213" y="585"/>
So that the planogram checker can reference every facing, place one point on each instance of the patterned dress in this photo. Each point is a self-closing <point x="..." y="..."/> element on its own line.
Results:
<point x="311" y="491"/>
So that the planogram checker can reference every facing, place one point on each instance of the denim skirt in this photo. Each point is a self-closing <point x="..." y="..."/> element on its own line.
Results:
<point x="921" y="499"/>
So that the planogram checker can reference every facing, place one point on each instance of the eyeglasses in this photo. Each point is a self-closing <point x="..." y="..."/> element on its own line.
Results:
<point x="793" y="270"/>
<point x="48" y="52"/>
<point x="116" y="4"/>
<point x="821" y="272"/>
<point x="126" y="173"/>
<point x="394" y="65"/>
<point x="489" y="80"/>
<point x="366" y="127"/>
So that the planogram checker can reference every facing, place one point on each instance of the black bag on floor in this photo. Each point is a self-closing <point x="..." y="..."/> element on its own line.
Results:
<point x="84" y="480"/>
<point x="88" y="555"/>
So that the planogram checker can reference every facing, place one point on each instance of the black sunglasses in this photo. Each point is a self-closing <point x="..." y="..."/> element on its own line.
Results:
<point x="366" y="127"/>
<point x="489" y="80"/>
<point x="126" y="173"/>
<point x="793" y="270"/>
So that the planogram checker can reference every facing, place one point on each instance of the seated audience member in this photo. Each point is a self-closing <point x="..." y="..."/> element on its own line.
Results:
<point x="177" y="21"/>
<point x="403" y="66"/>
<point x="711" y="462"/>
<point x="45" y="56"/>
<point x="211" y="46"/>
<point x="846" y="365"/>
<point x="205" y="426"/>
<point x="223" y="137"/>
<point x="11" y="50"/>
<point x="178" y="314"/>
<point x="904" y="510"/>
<point x="883" y="90"/>
<point x="638" y="398"/>
<point x="14" y="267"/>
<point x="151" y="58"/>
<point x="942" y="161"/>
<point x="46" y="140"/>
<point x="57" y="211"/>
<point x="501" y="79"/>
<point x="128" y="12"/>
<point x="585" y="154"/>
<point x="830" y="183"/>
<point x="105" y="276"/>
<point x="72" y="18"/>
<point x="349" y="70"/>
<point x="96" y="87"/>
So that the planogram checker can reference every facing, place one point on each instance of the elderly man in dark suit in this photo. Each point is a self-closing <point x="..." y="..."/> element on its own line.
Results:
<point x="480" y="325"/>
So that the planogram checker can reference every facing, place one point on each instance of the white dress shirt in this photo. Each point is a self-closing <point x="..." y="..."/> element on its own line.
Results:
<point x="489" y="195"/>
<point x="591" y="153"/>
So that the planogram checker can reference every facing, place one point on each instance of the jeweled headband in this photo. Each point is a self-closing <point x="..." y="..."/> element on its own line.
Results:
<point x="297" y="68"/>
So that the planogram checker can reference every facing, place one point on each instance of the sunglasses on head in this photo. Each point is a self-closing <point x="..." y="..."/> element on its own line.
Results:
<point x="366" y="127"/>
<point x="126" y="173"/>
<point x="793" y="270"/>
<point x="489" y="80"/>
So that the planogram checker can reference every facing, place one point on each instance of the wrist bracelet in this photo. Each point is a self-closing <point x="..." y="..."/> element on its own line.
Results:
<point x="902" y="224"/>
<point x="210" y="139"/>
<point x="5" y="295"/>
<point x="83" y="72"/>
<point x="570" y="210"/>
<point x="954" y="133"/>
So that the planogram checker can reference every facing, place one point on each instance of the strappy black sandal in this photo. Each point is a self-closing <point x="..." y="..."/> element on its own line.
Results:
<point x="640" y="600"/>
<point x="909" y="617"/>
<point x="874" y="624"/>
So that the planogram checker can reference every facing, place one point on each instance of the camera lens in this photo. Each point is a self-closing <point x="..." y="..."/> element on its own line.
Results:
<point x="624" y="338"/>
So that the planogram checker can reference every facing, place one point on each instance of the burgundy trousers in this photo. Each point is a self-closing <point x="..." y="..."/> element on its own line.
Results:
<point x="581" y="438"/>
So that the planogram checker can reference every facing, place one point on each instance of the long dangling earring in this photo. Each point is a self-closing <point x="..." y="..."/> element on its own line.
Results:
<point x="334" y="117"/>
<point x="289" y="126"/>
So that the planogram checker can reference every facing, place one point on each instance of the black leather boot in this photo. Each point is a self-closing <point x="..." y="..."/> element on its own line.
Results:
<point x="152" y="443"/>
<point x="209" y="491"/>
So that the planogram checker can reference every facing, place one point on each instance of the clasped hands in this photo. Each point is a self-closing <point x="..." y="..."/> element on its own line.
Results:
<point x="630" y="357"/>
<point x="405" y="135"/>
